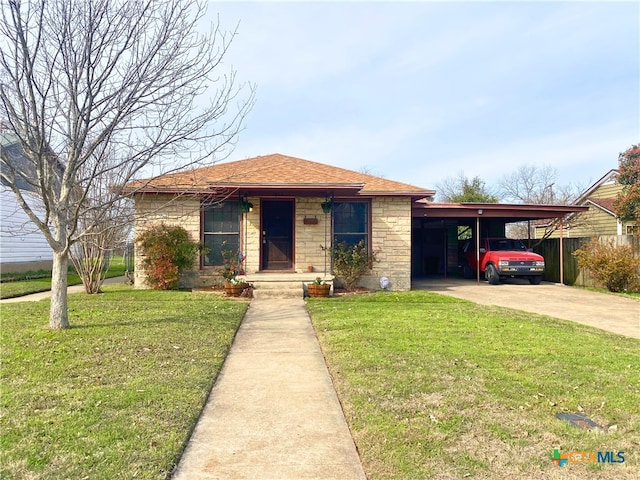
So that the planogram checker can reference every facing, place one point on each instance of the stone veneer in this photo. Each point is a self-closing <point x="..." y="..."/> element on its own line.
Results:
<point x="391" y="242"/>
<point x="153" y="209"/>
<point x="391" y="237"/>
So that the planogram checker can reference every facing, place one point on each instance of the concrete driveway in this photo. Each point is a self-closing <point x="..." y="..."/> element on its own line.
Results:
<point x="609" y="312"/>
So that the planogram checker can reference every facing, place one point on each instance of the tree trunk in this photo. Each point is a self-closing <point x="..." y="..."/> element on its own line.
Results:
<point x="58" y="315"/>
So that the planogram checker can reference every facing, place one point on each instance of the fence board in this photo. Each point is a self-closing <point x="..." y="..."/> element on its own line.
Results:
<point x="550" y="250"/>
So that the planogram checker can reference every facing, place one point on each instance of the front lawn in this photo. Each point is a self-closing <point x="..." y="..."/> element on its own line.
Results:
<point x="437" y="387"/>
<point x="34" y="282"/>
<point x="115" y="396"/>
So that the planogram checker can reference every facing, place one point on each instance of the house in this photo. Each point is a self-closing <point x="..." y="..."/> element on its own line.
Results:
<point x="600" y="218"/>
<point x="22" y="245"/>
<point x="280" y="213"/>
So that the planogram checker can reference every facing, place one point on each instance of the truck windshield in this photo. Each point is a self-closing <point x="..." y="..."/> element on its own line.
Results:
<point x="506" y="244"/>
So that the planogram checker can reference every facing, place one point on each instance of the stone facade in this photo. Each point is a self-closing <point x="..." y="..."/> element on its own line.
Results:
<point x="390" y="237"/>
<point x="170" y="210"/>
<point x="310" y="239"/>
<point x="391" y="242"/>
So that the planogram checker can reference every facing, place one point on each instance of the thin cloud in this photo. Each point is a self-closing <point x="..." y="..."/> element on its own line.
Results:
<point x="418" y="91"/>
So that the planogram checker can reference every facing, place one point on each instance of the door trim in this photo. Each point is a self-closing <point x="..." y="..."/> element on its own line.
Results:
<point x="263" y="261"/>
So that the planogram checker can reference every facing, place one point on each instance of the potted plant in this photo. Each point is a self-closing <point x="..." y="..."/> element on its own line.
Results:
<point x="233" y="286"/>
<point x="318" y="288"/>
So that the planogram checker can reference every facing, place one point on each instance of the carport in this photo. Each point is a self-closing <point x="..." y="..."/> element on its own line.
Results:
<point x="438" y="228"/>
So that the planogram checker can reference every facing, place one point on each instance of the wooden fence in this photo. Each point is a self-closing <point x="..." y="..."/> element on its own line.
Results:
<point x="550" y="250"/>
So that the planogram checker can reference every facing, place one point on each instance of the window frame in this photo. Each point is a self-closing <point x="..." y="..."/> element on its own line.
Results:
<point x="368" y="219"/>
<point x="205" y="207"/>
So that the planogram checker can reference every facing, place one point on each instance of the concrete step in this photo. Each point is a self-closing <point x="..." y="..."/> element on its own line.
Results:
<point x="274" y="293"/>
<point x="279" y="289"/>
<point x="279" y="285"/>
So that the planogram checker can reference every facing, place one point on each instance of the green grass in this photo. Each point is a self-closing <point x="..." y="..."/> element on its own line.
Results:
<point x="436" y="387"/>
<point x="27" y="286"/>
<point x="117" y="395"/>
<point x="604" y="290"/>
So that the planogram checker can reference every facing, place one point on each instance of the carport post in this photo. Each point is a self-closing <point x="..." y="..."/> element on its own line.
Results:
<point x="478" y="247"/>
<point x="561" y="254"/>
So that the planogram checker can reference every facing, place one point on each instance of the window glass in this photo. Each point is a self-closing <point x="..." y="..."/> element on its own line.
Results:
<point x="351" y="222"/>
<point x="221" y="229"/>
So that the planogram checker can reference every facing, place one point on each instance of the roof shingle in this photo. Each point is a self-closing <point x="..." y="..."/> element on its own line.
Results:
<point x="275" y="170"/>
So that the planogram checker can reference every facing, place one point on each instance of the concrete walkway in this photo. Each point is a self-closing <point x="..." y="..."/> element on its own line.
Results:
<point x="273" y="412"/>
<point x="36" y="297"/>
<point x="608" y="312"/>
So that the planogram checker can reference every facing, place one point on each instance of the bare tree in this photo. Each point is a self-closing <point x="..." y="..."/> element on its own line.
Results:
<point x="133" y="77"/>
<point x="535" y="185"/>
<point x="103" y="227"/>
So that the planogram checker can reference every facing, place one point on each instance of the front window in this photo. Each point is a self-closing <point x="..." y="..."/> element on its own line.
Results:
<point x="351" y="222"/>
<point x="221" y="230"/>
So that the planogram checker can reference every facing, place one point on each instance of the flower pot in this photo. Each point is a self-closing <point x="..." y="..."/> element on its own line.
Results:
<point x="234" y="290"/>
<point x="318" y="290"/>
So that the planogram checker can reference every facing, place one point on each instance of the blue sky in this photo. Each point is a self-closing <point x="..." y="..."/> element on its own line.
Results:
<point x="419" y="91"/>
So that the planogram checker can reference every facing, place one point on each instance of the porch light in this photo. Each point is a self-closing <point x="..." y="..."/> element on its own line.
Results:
<point x="326" y="206"/>
<point x="246" y="206"/>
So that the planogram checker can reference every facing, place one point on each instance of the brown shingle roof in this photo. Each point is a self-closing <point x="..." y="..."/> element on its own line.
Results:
<point x="275" y="171"/>
<point x="604" y="203"/>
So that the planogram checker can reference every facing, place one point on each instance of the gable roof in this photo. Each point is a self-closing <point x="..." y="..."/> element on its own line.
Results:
<point x="586" y="198"/>
<point x="277" y="173"/>
<point x="16" y="167"/>
<point x="605" y="204"/>
<point x="611" y="175"/>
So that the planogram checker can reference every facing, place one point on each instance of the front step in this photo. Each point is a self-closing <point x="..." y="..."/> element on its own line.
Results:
<point x="281" y="285"/>
<point x="262" y="289"/>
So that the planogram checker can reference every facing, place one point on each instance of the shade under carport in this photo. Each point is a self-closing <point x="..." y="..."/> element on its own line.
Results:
<point x="508" y="213"/>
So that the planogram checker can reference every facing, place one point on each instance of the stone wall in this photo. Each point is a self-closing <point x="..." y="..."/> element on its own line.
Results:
<point x="391" y="237"/>
<point x="153" y="209"/>
<point x="250" y="225"/>
<point x="391" y="242"/>
<point x="310" y="238"/>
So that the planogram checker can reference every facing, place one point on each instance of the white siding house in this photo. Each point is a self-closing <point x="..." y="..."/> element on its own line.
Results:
<point x="22" y="245"/>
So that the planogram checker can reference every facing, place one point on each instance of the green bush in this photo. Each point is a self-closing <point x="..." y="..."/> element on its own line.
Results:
<point x="167" y="251"/>
<point x="350" y="262"/>
<point x="614" y="267"/>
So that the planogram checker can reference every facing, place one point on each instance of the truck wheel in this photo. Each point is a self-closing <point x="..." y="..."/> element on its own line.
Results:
<point x="535" y="279"/>
<point x="492" y="275"/>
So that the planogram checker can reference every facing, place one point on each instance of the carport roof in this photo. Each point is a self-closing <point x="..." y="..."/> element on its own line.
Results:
<point x="507" y="212"/>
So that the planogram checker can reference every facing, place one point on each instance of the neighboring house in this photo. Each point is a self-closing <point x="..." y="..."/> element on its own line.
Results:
<point x="270" y="209"/>
<point x="22" y="245"/>
<point x="600" y="219"/>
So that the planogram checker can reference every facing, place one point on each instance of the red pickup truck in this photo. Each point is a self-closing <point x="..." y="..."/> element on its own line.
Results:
<point x="501" y="258"/>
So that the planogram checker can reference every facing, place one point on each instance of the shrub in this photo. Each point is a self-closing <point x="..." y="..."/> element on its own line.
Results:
<point x="231" y="264"/>
<point x="350" y="262"/>
<point x="614" y="267"/>
<point x="167" y="251"/>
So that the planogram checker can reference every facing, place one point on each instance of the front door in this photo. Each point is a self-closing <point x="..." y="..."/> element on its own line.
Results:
<point x="277" y="234"/>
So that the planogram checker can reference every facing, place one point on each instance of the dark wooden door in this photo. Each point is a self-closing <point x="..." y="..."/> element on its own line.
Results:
<point x="277" y="234"/>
